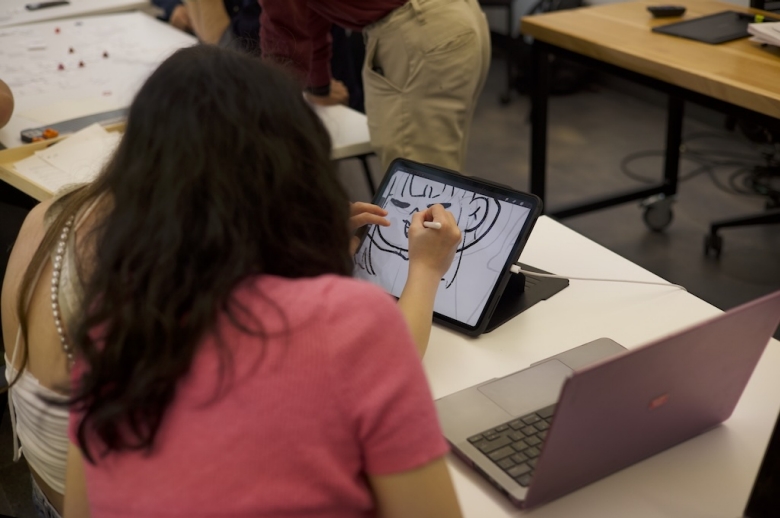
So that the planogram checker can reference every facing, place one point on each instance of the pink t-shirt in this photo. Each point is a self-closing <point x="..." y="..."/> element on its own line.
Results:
<point x="304" y="417"/>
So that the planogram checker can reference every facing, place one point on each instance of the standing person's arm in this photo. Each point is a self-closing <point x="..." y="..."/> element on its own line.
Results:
<point x="298" y="37"/>
<point x="6" y="103"/>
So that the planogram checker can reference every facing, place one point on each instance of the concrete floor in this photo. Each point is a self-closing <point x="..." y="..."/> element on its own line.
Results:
<point x="591" y="132"/>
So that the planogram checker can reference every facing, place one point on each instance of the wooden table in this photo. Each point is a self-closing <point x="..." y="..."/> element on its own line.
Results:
<point x="740" y="78"/>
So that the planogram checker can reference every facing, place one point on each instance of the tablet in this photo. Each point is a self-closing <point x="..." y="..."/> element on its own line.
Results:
<point x="495" y="222"/>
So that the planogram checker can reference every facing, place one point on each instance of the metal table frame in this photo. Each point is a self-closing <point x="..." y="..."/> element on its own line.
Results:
<point x="677" y="96"/>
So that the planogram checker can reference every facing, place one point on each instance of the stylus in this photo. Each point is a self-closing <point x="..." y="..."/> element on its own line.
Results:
<point x="432" y="224"/>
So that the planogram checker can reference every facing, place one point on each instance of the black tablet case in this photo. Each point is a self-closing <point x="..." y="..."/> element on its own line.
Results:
<point x="714" y="28"/>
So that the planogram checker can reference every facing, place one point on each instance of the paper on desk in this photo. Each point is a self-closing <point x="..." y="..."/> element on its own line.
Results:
<point x="78" y="158"/>
<point x="43" y="173"/>
<point x="766" y="33"/>
<point x="83" y="154"/>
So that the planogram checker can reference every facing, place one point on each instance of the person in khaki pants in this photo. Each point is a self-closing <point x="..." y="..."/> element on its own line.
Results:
<point x="426" y="63"/>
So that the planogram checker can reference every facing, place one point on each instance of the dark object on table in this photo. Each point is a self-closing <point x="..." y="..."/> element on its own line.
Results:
<point x="666" y="11"/>
<point x="714" y="28"/>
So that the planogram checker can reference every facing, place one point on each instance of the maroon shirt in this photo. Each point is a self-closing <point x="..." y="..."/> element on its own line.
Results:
<point x="297" y="32"/>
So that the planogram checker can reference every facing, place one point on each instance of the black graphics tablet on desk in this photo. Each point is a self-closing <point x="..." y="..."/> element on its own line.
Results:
<point x="714" y="28"/>
<point x="495" y="223"/>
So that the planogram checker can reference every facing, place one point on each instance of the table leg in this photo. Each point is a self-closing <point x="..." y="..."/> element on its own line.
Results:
<point x="674" y="124"/>
<point x="540" y="91"/>
<point x="367" y="172"/>
<point x="510" y="55"/>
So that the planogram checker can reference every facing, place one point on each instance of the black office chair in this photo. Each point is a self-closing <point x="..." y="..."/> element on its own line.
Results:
<point x="772" y="5"/>
<point x="764" y="180"/>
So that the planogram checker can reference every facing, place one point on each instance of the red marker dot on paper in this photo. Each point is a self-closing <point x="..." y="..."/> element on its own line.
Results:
<point x="105" y="53"/>
<point x="107" y="92"/>
<point x="70" y="50"/>
<point x="81" y="64"/>
<point x="61" y="67"/>
<point x="56" y="30"/>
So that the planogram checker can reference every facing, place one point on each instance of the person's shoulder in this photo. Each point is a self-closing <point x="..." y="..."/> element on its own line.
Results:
<point x="346" y="294"/>
<point x="34" y="224"/>
<point x="29" y="237"/>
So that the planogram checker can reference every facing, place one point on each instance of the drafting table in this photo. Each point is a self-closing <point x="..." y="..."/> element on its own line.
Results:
<point x="113" y="70"/>
<point x="64" y="69"/>
<point x="708" y="476"/>
<point x="13" y="12"/>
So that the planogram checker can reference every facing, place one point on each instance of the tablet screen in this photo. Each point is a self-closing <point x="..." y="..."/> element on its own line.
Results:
<point x="494" y="223"/>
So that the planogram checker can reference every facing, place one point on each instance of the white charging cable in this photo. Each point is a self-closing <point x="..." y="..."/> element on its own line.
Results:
<point x="515" y="268"/>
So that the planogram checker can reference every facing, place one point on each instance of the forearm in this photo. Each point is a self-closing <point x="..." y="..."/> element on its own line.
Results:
<point x="209" y="18"/>
<point x="416" y="304"/>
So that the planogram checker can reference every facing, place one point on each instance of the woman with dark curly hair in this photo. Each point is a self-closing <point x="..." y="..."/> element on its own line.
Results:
<point x="222" y="360"/>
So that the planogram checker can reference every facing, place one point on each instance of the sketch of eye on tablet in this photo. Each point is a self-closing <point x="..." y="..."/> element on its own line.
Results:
<point x="489" y="229"/>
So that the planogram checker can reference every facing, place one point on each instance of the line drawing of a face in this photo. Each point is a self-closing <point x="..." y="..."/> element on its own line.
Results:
<point x="474" y="213"/>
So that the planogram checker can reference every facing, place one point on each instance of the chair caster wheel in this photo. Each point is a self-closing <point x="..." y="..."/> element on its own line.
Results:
<point x="658" y="212"/>
<point x="713" y="245"/>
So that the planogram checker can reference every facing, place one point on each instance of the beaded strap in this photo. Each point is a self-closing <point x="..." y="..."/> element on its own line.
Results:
<point x="55" y="287"/>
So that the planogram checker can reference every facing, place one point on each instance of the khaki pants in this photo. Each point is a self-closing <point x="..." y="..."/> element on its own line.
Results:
<point x="426" y="64"/>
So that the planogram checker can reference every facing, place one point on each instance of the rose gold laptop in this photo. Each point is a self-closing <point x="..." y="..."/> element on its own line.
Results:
<point x="535" y="446"/>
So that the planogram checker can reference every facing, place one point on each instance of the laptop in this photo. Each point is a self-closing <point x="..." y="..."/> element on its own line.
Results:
<point x="572" y="419"/>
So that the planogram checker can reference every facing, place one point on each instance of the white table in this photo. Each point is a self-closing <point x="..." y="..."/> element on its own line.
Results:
<point x="709" y="476"/>
<point x="348" y="130"/>
<point x="13" y="12"/>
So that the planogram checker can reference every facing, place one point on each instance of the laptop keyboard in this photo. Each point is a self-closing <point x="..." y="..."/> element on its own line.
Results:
<point x="515" y="445"/>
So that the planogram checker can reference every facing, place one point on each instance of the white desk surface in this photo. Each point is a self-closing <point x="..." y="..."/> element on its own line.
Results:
<point x="348" y="130"/>
<point x="13" y="12"/>
<point x="709" y="476"/>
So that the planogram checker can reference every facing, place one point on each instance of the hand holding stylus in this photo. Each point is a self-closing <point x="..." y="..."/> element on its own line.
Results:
<point x="433" y="251"/>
